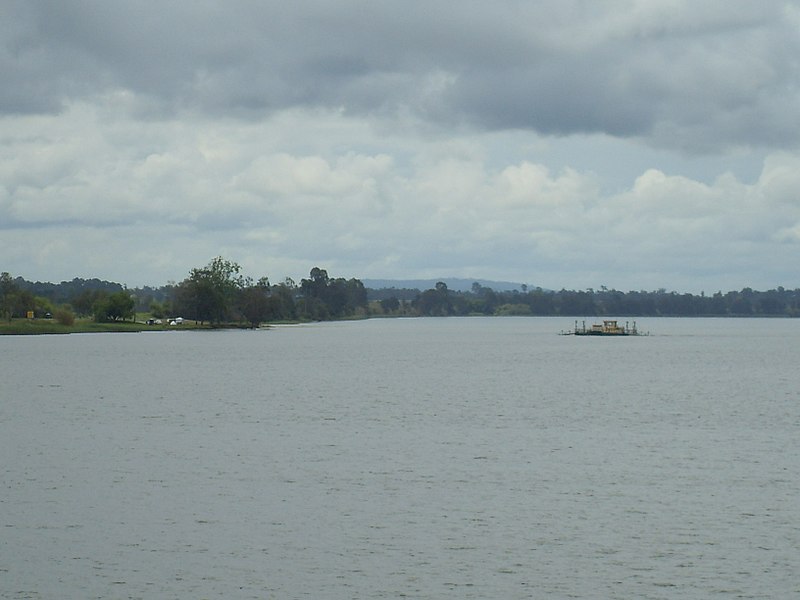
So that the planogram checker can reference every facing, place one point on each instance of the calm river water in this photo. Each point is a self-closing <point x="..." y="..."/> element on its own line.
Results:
<point x="419" y="458"/>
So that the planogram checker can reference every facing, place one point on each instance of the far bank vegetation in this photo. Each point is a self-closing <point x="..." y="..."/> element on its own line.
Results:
<point x="219" y="294"/>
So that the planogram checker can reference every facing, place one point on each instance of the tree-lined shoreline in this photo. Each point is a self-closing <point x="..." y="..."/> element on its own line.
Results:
<point x="218" y="295"/>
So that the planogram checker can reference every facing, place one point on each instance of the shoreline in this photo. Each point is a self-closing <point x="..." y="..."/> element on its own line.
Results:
<point x="51" y="327"/>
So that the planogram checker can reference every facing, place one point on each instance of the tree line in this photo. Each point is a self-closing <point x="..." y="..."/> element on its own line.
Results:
<point x="219" y="293"/>
<point x="215" y="294"/>
<point x="440" y="301"/>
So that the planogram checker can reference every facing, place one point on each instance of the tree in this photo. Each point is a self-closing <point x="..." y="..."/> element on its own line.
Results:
<point x="282" y="301"/>
<point x="356" y="295"/>
<point x="325" y="298"/>
<point x="85" y="302"/>
<point x="576" y="303"/>
<point x="209" y="293"/>
<point x="254" y="302"/>
<point x="116" y="307"/>
<point x="8" y="295"/>
<point x="541" y="302"/>
<point x="316" y="286"/>
<point x="157" y="309"/>
<point x="43" y="306"/>
<point x="313" y="309"/>
<point x="435" y="302"/>
<point x="483" y="301"/>
<point x="390" y="304"/>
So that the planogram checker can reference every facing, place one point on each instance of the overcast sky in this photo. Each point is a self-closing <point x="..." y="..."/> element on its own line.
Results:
<point x="632" y="144"/>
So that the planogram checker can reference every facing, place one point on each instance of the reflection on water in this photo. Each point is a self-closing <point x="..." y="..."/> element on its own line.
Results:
<point x="425" y="458"/>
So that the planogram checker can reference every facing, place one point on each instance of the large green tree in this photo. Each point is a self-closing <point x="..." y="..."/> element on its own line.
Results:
<point x="254" y="302"/>
<point x="325" y="298"/>
<point x="14" y="301"/>
<point x="209" y="293"/>
<point x="282" y="305"/>
<point x="115" y="307"/>
<point x="8" y="295"/>
<point x="435" y="302"/>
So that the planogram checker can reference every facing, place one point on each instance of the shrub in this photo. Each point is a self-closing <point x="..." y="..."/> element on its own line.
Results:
<point x="64" y="316"/>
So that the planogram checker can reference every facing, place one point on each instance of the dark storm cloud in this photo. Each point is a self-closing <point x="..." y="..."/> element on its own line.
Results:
<point x="680" y="74"/>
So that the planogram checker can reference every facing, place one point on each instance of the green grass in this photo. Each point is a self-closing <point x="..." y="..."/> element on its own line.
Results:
<point x="51" y="326"/>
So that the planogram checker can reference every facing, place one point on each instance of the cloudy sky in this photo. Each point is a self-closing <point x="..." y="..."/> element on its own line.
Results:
<point x="635" y="144"/>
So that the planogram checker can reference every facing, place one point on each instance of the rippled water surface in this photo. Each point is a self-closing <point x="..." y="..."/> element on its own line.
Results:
<point x="423" y="458"/>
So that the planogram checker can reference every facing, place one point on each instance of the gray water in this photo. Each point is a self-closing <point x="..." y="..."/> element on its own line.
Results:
<point x="422" y="458"/>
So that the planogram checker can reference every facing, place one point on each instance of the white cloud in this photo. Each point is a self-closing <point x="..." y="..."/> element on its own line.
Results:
<point x="194" y="188"/>
<point x="647" y="144"/>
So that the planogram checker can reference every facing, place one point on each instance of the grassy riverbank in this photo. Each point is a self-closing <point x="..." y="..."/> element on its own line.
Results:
<point x="51" y="326"/>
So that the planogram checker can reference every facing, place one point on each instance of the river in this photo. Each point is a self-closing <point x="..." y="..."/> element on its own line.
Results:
<point x="403" y="458"/>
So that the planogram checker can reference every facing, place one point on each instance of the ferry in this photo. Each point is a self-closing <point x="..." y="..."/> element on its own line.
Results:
<point x="608" y="327"/>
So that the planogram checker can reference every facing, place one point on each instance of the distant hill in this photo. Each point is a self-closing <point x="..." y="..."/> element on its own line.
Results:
<point x="453" y="283"/>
